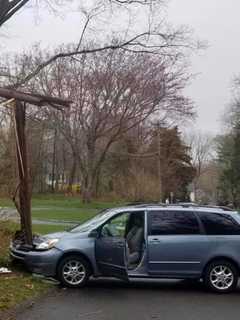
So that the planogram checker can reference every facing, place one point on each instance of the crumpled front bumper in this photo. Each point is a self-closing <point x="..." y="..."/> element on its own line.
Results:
<point x="40" y="262"/>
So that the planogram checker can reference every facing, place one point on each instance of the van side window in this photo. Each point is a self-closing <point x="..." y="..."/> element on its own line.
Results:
<point x="116" y="226"/>
<point x="173" y="223"/>
<point x="219" y="224"/>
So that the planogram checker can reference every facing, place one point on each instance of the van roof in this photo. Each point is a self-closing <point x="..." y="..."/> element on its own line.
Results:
<point x="183" y="205"/>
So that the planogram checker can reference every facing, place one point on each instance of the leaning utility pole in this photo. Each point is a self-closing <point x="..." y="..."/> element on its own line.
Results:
<point x="17" y="100"/>
<point x="24" y="189"/>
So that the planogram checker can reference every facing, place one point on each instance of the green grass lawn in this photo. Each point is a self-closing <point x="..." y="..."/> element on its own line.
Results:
<point x="59" y="200"/>
<point x="5" y="202"/>
<point x="59" y="207"/>
<point x="19" y="285"/>
<point x="45" y="229"/>
<point x="61" y="214"/>
<point x="52" y="200"/>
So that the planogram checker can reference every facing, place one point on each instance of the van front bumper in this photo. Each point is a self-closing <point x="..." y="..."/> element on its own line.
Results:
<point x="40" y="262"/>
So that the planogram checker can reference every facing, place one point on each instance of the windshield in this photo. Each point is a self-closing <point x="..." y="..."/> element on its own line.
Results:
<point x="92" y="223"/>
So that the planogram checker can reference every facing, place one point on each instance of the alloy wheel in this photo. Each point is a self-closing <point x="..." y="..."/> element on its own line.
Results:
<point x="74" y="272"/>
<point x="221" y="277"/>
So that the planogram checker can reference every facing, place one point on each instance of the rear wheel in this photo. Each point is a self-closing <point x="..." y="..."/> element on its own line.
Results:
<point x="221" y="276"/>
<point x="74" y="271"/>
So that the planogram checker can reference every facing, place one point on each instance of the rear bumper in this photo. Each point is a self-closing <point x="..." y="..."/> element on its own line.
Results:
<point x="41" y="262"/>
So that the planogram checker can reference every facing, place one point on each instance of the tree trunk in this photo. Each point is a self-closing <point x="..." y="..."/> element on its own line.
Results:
<point x="54" y="161"/>
<point x="97" y="184"/>
<point x="88" y="188"/>
<point x="24" y="205"/>
<point x="72" y="175"/>
<point x="87" y="196"/>
<point x="90" y="175"/>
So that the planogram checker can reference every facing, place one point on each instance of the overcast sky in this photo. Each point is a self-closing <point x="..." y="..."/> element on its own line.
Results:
<point x="216" y="21"/>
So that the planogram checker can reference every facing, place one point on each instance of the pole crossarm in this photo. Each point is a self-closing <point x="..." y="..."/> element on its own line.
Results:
<point x="34" y="99"/>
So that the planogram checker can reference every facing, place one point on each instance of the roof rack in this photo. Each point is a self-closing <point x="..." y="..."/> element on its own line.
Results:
<point x="191" y="204"/>
<point x="179" y="204"/>
<point x="139" y="203"/>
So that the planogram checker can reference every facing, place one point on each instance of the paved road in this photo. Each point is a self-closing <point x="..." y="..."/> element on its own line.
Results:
<point x="107" y="300"/>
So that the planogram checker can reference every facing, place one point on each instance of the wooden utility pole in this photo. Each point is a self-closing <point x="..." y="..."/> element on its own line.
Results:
<point x="23" y="193"/>
<point x="24" y="203"/>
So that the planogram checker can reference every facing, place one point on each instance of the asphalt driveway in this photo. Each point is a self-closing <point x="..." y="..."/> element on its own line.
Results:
<point x="115" y="300"/>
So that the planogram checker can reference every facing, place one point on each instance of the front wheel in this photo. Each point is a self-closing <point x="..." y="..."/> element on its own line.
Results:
<point x="74" y="271"/>
<point x="221" y="276"/>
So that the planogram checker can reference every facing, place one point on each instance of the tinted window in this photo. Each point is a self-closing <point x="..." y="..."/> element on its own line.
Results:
<point x="217" y="224"/>
<point x="172" y="223"/>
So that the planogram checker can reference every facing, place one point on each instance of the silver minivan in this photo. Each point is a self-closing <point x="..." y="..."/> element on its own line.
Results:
<point x="143" y="241"/>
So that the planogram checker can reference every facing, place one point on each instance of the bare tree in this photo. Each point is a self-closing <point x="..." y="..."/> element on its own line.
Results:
<point x="112" y="93"/>
<point x="153" y="37"/>
<point x="8" y="8"/>
<point x="115" y="85"/>
<point x="201" y="148"/>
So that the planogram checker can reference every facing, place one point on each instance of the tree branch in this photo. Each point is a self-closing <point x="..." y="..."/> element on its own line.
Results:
<point x="9" y="8"/>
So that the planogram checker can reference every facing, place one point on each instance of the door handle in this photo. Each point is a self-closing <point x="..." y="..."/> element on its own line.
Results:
<point x="120" y="244"/>
<point x="155" y="240"/>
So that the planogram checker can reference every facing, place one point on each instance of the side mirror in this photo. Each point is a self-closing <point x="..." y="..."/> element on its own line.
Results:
<point x="94" y="234"/>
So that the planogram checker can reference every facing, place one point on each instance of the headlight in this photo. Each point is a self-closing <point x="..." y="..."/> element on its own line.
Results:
<point x="46" y="245"/>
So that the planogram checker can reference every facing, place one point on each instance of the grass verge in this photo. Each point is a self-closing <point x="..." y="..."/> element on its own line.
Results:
<point x="19" y="285"/>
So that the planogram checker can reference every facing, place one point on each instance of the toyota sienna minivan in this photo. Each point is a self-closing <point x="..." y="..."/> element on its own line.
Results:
<point x="143" y="241"/>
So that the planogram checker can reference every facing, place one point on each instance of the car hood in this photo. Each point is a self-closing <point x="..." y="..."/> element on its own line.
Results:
<point x="64" y="234"/>
<point x="55" y="235"/>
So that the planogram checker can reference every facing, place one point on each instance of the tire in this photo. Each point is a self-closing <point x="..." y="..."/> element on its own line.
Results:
<point x="221" y="276"/>
<point x="73" y="271"/>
